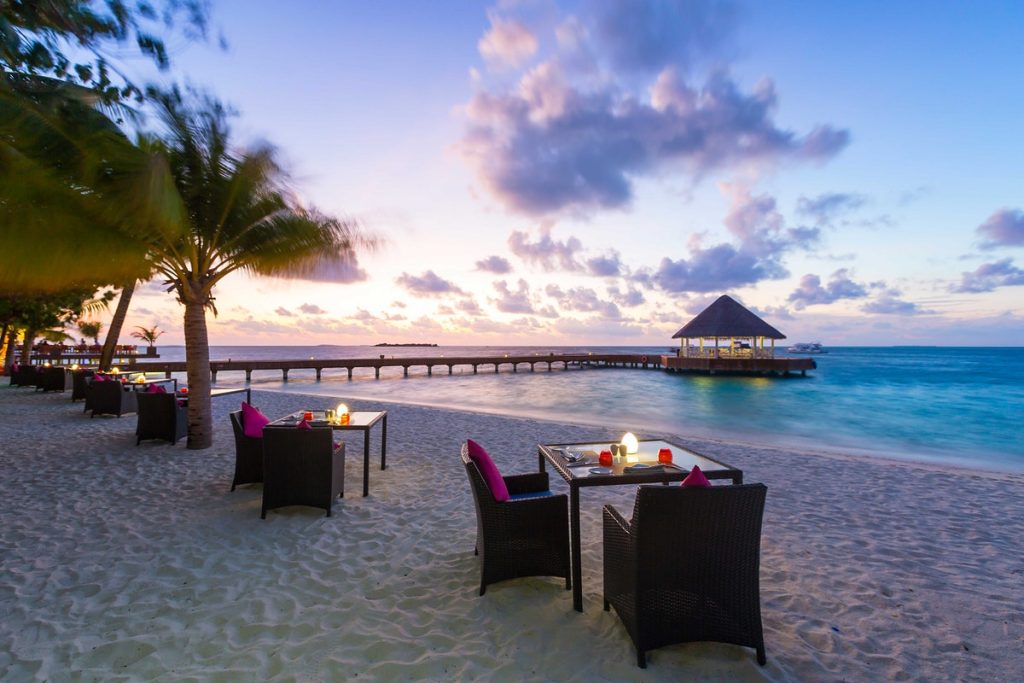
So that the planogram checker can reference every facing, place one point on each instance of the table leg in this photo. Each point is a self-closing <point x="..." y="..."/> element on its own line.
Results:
<point x="366" y="462"/>
<point x="248" y="396"/>
<point x="384" y="443"/>
<point x="574" y="542"/>
<point x="737" y="478"/>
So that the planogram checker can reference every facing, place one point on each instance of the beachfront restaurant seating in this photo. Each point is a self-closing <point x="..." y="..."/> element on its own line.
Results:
<point x="53" y="379"/>
<point x="79" y="383"/>
<point x="160" y="417"/>
<point x="248" y="454"/>
<point x="526" y="535"/>
<point x="686" y="567"/>
<point x="301" y="467"/>
<point x="111" y="398"/>
<point x="25" y="376"/>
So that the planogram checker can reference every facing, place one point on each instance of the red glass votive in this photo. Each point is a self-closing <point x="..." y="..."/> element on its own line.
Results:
<point x="605" y="458"/>
<point x="308" y="415"/>
<point x="344" y="419"/>
<point x="665" y="456"/>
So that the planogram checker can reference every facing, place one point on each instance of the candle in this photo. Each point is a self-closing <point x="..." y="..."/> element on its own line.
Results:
<point x="605" y="459"/>
<point x="665" y="456"/>
<point x="307" y="416"/>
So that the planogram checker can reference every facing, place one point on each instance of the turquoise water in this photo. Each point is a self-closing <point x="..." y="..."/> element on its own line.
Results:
<point x="954" y="405"/>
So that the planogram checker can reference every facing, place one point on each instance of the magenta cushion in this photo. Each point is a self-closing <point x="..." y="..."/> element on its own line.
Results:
<point x="253" y="421"/>
<point x="99" y="378"/>
<point x="488" y="470"/>
<point x="155" y="389"/>
<point x="303" y="425"/>
<point x="696" y="479"/>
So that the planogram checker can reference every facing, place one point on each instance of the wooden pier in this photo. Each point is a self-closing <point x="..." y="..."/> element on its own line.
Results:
<point x="738" y="366"/>
<point x="319" y="365"/>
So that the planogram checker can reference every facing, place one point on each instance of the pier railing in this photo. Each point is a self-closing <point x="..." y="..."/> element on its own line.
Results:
<point x="547" y="362"/>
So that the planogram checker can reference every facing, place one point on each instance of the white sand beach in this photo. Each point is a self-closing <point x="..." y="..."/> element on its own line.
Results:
<point x="120" y="562"/>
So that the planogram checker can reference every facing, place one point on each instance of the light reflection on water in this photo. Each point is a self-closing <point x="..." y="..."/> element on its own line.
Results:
<point x="952" y="405"/>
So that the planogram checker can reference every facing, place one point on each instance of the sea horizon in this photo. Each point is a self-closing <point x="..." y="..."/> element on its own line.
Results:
<point x="945" y="405"/>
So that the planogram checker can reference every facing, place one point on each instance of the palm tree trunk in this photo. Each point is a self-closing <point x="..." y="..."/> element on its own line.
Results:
<point x="3" y="347"/>
<point x="197" y="366"/>
<point x="12" y="342"/>
<point x="116" y="323"/>
<point x="26" y="347"/>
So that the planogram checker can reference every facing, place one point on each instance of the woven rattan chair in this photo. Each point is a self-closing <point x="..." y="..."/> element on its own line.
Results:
<point x="25" y="376"/>
<point x="160" y="417"/>
<point x="248" y="455"/>
<point x="53" y="379"/>
<point x="524" y="537"/>
<point x="301" y="467"/>
<point x="111" y="398"/>
<point x="686" y="568"/>
<point x="79" y="383"/>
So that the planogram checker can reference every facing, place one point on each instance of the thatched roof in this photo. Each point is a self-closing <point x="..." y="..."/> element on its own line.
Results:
<point x="727" y="318"/>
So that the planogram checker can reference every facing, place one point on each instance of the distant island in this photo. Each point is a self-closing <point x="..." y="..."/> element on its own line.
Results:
<point x="414" y="344"/>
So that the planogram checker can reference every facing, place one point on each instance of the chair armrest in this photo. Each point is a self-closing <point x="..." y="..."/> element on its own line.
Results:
<point x="614" y="517"/>
<point x="527" y="483"/>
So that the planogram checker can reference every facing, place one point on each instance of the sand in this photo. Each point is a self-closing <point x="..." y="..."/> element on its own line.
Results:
<point x="120" y="562"/>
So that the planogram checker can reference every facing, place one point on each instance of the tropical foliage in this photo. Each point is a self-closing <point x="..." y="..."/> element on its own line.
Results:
<point x="148" y="334"/>
<point x="91" y="330"/>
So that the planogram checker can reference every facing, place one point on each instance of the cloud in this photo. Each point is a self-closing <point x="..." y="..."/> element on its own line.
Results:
<point x="605" y="266"/>
<point x="631" y="297"/>
<point x="1004" y="228"/>
<point x="810" y="291"/>
<point x="311" y="309"/>
<point x="827" y="207"/>
<point x="989" y="276"/>
<point x="398" y="304"/>
<point x="282" y="311"/>
<point x="769" y="312"/>
<point x="548" y="145"/>
<point x="549" y="254"/>
<point x="508" y="43"/>
<point x="445" y="310"/>
<point x="582" y="299"/>
<point x="644" y="36"/>
<point x="469" y="306"/>
<point x="427" y="284"/>
<point x="513" y="302"/>
<point x="343" y="269"/>
<point x="494" y="264"/>
<point x="763" y="240"/>
<point x="889" y="303"/>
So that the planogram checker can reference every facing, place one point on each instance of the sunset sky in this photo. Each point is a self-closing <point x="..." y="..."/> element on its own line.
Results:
<point x="598" y="171"/>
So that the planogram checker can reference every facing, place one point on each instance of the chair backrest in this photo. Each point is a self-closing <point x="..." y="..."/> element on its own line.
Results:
<point x="481" y="491"/>
<point x="706" y="539"/>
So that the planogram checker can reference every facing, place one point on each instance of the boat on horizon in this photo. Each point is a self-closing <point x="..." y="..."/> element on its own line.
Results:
<point x="806" y="347"/>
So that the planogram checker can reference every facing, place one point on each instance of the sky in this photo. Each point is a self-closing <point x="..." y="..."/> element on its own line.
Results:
<point x="598" y="171"/>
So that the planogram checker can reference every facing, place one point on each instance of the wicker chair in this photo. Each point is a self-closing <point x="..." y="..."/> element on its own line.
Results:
<point x="301" y="467"/>
<point x="79" y="383"/>
<point x="686" y="568"/>
<point x="53" y="379"/>
<point x="111" y="398"/>
<point x="248" y="455"/>
<point x="160" y="417"/>
<point x="25" y="376"/>
<point x="525" y="537"/>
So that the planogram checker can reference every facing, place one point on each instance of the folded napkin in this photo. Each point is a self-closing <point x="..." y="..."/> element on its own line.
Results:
<point x="303" y="425"/>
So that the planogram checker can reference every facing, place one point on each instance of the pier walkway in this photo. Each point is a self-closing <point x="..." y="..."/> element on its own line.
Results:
<point x="548" y="362"/>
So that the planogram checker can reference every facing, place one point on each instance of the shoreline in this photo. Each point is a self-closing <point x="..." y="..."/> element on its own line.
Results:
<point x="138" y="562"/>
<point x="938" y="462"/>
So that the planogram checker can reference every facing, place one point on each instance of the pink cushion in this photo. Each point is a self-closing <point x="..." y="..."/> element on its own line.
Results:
<point x="155" y="389"/>
<point x="182" y="402"/>
<point x="303" y="425"/>
<point x="488" y="470"/>
<point x="99" y="378"/>
<point x="696" y="479"/>
<point x="253" y="421"/>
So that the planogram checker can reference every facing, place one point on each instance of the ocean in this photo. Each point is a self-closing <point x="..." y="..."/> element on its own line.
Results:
<point x="962" y="406"/>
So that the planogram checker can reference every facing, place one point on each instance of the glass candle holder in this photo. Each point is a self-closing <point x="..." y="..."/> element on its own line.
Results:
<point x="665" y="456"/>
<point x="308" y="415"/>
<point x="605" y="459"/>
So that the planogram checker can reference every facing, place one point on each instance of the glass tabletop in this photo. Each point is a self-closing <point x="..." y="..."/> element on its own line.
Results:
<point x="683" y="459"/>
<point x="356" y="419"/>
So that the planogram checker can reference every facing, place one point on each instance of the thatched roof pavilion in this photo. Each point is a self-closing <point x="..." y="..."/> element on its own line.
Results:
<point x="727" y="319"/>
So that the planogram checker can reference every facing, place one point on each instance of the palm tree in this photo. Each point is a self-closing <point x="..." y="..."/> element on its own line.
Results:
<point x="185" y="205"/>
<point x="230" y="211"/>
<point x="91" y="329"/>
<point x="149" y="335"/>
